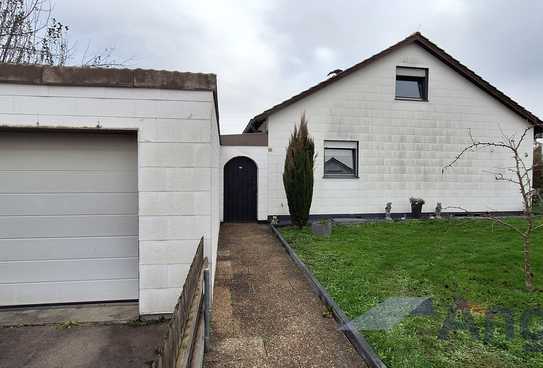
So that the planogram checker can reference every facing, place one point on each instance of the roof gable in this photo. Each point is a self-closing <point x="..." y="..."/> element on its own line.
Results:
<point x="333" y="165"/>
<point x="429" y="46"/>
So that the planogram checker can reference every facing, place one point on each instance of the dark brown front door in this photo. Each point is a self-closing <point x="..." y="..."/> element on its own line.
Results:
<point x="240" y="189"/>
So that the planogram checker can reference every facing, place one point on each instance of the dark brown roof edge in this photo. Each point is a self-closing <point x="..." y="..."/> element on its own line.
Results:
<point x="106" y="77"/>
<point x="245" y="139"/>
<point x="418" y="38"/>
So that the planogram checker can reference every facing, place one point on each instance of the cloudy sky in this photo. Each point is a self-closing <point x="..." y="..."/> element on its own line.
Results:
<point x="265" y="51"/>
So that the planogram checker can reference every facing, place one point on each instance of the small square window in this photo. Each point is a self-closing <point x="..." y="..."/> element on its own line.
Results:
<point x="340" y="159"/>
<point x="412" y="84"/>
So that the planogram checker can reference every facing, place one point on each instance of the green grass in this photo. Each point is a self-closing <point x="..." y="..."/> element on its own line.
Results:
<point x="362" y="265"/>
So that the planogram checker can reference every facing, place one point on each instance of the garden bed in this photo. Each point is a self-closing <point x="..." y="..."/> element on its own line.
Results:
<point x="472" y="265"/>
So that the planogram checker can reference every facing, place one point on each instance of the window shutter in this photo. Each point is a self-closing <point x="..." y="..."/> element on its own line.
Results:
<point x="410" y="72"/>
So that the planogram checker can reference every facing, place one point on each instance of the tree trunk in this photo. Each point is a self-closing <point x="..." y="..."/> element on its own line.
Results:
<point x="528" y="275"/>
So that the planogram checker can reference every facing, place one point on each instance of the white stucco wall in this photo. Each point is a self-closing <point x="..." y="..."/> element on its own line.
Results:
<point x="178" y="159"/>
<point x="259" y="155"/>
<point x="216" y="185"/>
<point x="403" y="144"/>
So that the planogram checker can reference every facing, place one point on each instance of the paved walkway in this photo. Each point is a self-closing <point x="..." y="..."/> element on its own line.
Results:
<point x="264" y="311"/>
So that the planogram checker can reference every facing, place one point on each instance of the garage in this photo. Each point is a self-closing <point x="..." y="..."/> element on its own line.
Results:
<point x="68" y="216"/>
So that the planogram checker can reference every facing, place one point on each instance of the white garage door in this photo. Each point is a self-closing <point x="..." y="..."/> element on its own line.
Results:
<point x="68" y="217"/>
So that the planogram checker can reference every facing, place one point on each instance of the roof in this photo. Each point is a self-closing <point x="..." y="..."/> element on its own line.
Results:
<point x="246" y="139"/>
<point x="109" y="77"/>
<point x="415" y="38"/>
<point x="328" y="165"/>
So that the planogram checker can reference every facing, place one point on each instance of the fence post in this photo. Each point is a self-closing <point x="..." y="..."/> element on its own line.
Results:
<point x="207" y="309"/>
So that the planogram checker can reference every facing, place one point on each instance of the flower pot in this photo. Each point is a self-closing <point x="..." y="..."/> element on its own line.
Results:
<point x="416" y="210"/>
<point x="322" y="228"/>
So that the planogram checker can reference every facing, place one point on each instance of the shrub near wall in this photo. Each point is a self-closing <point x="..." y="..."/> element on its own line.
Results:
<point x="298" y="173"/>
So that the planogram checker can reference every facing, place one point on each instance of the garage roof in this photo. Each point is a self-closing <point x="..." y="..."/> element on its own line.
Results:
<point x="106" y="77"/>
<point x="110" y="77"/>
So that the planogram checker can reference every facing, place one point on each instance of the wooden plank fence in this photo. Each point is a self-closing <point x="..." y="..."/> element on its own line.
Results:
<point x="177" y="346"/>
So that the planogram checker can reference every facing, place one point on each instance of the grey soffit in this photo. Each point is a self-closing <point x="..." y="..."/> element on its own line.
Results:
<point x="433" y="49"/>
<point x="69" y="217"/>
<point x="246" y="139"/>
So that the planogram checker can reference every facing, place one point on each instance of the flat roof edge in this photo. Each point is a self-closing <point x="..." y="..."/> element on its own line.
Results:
<point x="106" y="77"/>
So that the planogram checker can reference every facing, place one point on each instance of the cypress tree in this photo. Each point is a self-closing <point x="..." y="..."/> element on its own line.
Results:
<point x="298" y="174"/>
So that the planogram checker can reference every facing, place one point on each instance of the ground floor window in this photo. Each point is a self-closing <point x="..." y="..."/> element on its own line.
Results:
<point x="341" y="159"/>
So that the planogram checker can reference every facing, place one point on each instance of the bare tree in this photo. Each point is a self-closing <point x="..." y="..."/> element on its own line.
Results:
<point x="29" y="34"/>
<point x="103" y="59"/>
<point x="519" y="174"/>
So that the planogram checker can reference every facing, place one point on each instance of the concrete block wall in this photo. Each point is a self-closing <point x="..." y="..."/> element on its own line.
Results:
<point x="403" y="144"/>
<point x="178" y="155"/>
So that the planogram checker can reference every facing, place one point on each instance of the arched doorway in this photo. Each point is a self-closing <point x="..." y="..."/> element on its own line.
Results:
<point x="240" y="190"/>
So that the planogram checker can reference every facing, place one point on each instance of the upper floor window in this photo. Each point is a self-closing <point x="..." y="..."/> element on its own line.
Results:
<point x="341" y="159"/>
<point x="411" y="83"/>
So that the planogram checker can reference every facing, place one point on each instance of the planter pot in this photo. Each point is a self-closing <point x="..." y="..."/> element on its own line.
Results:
<point x="416" y="210"/>
<point x="322" y="229"/>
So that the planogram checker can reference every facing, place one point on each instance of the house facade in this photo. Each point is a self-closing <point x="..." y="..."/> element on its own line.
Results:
<point x="384" y="130"/>
<point x="109" y="178"/>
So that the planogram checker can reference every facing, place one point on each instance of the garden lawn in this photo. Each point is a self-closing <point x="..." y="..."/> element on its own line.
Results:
<point x="448" y="260"/>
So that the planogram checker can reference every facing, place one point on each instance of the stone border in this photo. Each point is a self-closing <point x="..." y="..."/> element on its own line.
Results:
<point x="356" y="339"/>
<point x="285" y="219"/>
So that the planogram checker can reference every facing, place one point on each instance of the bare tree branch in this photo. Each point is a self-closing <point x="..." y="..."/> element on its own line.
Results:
<point x="521" y="177"/>
<point x="488" y="216"/>
<point x="30" y="34"/>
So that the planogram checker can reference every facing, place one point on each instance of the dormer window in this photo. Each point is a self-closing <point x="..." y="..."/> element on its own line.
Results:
<point x="411" y="83"/>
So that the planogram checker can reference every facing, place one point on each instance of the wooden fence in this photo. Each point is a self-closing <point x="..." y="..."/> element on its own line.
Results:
<point x="178" y="345"/>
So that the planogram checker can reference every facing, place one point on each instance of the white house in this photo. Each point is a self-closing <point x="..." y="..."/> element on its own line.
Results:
<point x="108" y="178"/>
<point x="385" y="128"/>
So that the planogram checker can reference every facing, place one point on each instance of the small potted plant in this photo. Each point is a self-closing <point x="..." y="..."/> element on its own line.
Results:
<point x="416" y="206"/>
<point x="322" y="227"/>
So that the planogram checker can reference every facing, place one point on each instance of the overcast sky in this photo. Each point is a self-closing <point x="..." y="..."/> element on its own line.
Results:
<point x="266" y="51"/>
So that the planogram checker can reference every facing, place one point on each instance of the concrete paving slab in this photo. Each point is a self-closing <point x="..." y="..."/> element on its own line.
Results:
<point x="230" y="325"/>
<point x="82" y="313"/>
<point x="238" y="348"/>
<point x="350" y="220"/>
<point x="80" y="346"/>
<point x="224" y="270"/>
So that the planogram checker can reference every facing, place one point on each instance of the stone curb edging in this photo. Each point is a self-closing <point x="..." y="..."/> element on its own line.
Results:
<point x="355" y="338"/>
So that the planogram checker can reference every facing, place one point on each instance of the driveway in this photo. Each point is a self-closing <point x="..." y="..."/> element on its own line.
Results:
<point x="76" y="344"/>
<point x="265" y="313"/>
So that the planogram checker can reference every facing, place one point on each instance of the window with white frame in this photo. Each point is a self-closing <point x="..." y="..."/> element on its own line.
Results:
<point x="340" y="159"/>
<point x="411" y="83"/>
